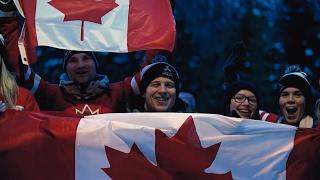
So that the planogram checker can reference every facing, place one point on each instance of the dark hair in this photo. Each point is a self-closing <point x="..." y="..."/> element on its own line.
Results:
<point x="232" y="90"/>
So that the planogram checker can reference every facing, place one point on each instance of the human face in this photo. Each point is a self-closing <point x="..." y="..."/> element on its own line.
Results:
<point x="241" y="105"/>
<point x="81" y="68"/>
<point x="160" y="95"/>
<point x="292" y="104"/>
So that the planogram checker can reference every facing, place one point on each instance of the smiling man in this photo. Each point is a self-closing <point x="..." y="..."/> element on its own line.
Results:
<point x="159" y="90"/>
<point x="295" y="98"/>
<point x="80" y="66"/>
<point x="160" y="95"/>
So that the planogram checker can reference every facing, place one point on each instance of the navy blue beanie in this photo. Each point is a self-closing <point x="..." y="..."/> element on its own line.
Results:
<point x="159" y="69"/>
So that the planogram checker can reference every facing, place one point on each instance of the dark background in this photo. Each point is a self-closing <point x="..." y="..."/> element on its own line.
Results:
<point x="276" y="33"/>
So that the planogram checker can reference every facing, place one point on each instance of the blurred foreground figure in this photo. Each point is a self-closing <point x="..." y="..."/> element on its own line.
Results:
<point x="11" y="95"/>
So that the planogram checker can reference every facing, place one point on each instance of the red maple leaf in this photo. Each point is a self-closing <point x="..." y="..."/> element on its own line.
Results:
<point x="182" y="155"/>
<point x="132" y="165"/>
<point x="179" y="157"/>
<point x="84" y="10"/>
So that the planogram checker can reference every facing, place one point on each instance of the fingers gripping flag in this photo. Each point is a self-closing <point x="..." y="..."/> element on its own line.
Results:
<point x="154" y="146"/>
<point x="96" y="25"/>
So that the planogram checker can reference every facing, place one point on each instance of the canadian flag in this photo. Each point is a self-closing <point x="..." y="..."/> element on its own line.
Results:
<point x="154" y="146"/>
<point x="96" y="25"/>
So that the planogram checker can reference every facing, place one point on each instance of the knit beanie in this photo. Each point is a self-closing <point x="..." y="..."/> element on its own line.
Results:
<point x="300" y="81"/>
<point x="159" y="69"/>
<point x="69" y="53"/>
<point x="233" y="89"/>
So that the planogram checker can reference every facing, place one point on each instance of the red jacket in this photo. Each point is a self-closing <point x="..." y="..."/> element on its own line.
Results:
<point x="26" y="101"/>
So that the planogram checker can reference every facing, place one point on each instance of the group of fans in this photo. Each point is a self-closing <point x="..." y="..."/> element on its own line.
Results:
<point x="294" y="95"/>
<point x="155" y="88"/>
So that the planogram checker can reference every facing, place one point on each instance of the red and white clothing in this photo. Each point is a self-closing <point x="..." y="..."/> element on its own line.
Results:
<point x="51" y="97"/>
<point x="270" y="117"/>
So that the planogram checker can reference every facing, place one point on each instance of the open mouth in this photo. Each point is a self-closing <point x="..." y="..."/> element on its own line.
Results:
<point x="291" y="110"/>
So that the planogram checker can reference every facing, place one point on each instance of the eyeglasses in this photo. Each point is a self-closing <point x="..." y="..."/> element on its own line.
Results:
<point x="240" y="98"/>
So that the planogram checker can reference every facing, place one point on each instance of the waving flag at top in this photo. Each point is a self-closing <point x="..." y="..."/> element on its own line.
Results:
<point x="154" y="146"/>
<point x="96" y="25"/>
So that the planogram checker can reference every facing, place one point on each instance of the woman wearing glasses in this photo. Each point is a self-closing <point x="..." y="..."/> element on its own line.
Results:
<point x="241" y="100"/>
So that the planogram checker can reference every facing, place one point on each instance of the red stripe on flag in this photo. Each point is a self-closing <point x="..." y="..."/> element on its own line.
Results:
<point x="151" y="25"/>
<point x="37" y="146"/>
<point x="304" y="160"/>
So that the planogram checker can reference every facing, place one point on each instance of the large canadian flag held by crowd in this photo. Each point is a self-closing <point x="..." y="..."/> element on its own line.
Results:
<point x="96" y="25"/>
<point x="154" y="146"/>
